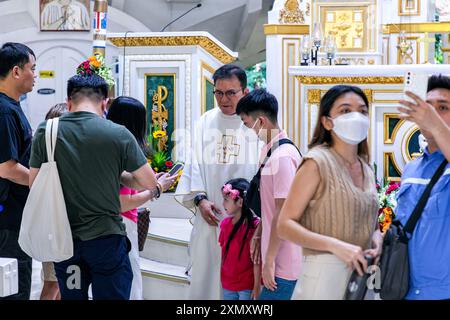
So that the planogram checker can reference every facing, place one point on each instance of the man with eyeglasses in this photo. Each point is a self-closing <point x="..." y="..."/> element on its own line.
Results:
<point x="223" y="148"/>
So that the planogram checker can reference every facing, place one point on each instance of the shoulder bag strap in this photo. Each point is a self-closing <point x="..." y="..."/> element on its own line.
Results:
<point x="415" y="216"/>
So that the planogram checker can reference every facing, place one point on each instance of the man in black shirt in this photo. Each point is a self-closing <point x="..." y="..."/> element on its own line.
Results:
<point x="17" y="77"/>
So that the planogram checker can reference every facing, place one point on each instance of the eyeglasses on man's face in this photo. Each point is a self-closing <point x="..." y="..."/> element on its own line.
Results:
<point x="229" y="93"/>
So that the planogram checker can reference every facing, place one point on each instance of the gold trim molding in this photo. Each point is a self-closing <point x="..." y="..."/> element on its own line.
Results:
<point x="299" y="29"/>
<point x="369" y="94"/>
<point x="386" y="117"/>
<point x="408" y="140"/>
<point x="416" y="27"/>
<point x="314" y="95"/>
<point x="160" y="276"/>
<point x="354" y="80"/>
<point x="176" y="242"/>
<point x="415" y="12"/>
<point x="207" y="67"/>
<point x="207" y="44"/>
<point x="386" y="157"/>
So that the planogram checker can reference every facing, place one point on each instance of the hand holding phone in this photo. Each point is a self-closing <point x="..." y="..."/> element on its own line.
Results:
<point x="176" y="169"/>
<point x="417" y="83"/>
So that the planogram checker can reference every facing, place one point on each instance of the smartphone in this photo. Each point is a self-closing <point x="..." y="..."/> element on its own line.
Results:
<point x="175" y="169"/>
<point x="357" y="285"/>
<point x="417" y="83"/>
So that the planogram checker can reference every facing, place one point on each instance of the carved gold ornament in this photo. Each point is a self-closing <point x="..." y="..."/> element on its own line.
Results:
<point x="313" y="96"/>
<point x="204" y="42"/>
<point x="353" y="80"/>
<point x="347" y="25"/>
<point x="291" y="13"/>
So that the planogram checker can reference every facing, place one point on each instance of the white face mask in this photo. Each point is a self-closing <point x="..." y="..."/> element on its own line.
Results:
<point x="259" y="131"/>
<point x="352" y="127"/>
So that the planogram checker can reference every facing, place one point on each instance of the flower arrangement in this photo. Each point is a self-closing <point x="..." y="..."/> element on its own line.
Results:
<point x="387" y="202"/>
<point x="160" y="160"/>
<point x="96" y="65"/>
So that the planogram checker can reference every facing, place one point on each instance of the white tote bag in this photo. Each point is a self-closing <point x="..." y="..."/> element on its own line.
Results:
<point x="45" y="233"/>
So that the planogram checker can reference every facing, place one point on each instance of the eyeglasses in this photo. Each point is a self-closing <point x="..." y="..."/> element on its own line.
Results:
<point x="230" y="93"/>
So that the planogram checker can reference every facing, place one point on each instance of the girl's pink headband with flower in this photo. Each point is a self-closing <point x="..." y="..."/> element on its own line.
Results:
<point x="228" y="190"/>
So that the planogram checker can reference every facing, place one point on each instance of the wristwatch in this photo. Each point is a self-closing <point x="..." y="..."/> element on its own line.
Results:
<point x="199" y="197"/>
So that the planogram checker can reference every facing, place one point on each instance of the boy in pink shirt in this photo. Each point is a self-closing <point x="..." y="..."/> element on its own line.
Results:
<point x="281" y="259"/>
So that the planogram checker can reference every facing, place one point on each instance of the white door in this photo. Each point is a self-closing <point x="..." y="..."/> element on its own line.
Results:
<point x="60" y="64"/>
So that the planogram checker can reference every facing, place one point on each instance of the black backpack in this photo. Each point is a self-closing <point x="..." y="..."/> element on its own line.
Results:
<point x="253" y="197"/>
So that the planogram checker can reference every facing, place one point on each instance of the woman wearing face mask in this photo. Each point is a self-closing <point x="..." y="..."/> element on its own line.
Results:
<point x="332" y="205"/>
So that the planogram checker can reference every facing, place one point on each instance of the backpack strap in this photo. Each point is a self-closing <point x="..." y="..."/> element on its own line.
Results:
<point x="274" y="147"/>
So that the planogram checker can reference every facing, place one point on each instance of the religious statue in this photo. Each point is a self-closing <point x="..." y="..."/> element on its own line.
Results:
<point x="65" y="15"/>
<point x="443" y="9"/>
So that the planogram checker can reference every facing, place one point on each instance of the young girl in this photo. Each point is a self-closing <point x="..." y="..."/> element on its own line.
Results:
<point x="240" y="277"/>
<point x="131" y="113"/>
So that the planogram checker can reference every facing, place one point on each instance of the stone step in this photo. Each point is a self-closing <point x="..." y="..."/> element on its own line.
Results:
<point x="167" y="207"/>
<point x="161" y="281"/>
<point x="167" y="241"/>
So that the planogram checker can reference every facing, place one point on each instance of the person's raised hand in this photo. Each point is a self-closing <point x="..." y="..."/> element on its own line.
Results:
<point x="420" y="112"/>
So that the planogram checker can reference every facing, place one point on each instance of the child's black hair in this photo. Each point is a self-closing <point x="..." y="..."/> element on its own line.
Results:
<point x="247" y="215"/>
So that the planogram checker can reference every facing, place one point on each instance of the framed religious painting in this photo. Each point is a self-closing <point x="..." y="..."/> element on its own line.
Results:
<point x="409" y="7"/>
<point x="64" y="15"/>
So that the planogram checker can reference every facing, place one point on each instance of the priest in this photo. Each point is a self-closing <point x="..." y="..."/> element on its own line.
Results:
<point x="222" y="149"/>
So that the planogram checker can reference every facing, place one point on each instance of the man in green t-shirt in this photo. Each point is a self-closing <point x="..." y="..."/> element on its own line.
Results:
<point x="92" y="154"/>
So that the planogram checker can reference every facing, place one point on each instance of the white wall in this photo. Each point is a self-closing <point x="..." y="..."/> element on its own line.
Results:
<point x="55" y="51"/>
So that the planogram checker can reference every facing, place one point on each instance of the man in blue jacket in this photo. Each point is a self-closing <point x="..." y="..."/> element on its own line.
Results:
<point x="429" y="247"/>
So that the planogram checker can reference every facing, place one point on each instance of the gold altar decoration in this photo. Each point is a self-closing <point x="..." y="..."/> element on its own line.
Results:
<point x="426" y="41"/>
<point x="409" y="7"/>
<point x="291" y="13"/>
<point x="160" y="115"/>
<point x="313" y="96"/>
<point x="207" y="44"/>
<point x="347" y="25"/>
<point x="405" y="50"/>
<point x="297" y="29"/>
<point x="416" y="27"/>
<point x="349" y="80"/>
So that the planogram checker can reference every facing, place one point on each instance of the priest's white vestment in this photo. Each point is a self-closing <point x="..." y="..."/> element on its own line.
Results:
<point x="222" y="149"/>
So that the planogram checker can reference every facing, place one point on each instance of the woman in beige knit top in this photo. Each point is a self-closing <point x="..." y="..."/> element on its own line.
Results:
<point x="332" y="205"/>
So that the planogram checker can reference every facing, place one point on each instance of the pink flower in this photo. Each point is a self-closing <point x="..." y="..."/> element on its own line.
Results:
<point x="228" y="190"/>
<point x="392" y="187"/>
